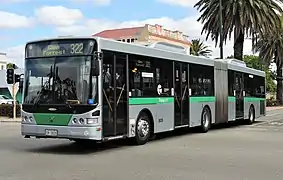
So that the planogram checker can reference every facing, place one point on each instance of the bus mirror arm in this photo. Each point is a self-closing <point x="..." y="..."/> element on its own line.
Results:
<point x="95" y="68"/>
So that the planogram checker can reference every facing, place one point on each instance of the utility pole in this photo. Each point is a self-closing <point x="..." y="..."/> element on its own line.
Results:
<point x="14" y="100"/>
<point x="220" y="29"/>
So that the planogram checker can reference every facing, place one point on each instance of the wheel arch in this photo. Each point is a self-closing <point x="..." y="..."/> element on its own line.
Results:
<point x="252" y="105"/>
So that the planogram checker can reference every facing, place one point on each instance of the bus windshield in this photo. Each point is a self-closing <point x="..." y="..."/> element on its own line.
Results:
<point x="58" y="80"/>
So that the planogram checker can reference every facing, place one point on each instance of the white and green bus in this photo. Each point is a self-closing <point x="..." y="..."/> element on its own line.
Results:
<point x="91" y="88"/>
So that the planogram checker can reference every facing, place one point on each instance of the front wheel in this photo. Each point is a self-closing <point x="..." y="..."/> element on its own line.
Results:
<point x="143" y="128"/>
<point x="205" y="120"/>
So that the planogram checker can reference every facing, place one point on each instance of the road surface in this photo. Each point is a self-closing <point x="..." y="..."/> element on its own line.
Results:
<point x="235" y="153"/>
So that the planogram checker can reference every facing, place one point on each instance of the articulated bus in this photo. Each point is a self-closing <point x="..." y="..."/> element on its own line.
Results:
<point x="91" y="88"/>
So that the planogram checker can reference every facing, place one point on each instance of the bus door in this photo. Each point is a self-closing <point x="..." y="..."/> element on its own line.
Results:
<point x="181" y="95"/>
<point x="115" y="110"/>
<point x="239" y="90"/>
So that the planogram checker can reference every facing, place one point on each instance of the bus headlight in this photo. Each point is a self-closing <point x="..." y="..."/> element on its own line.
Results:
<point x="75" y="121"/>
<point x="26" y="119"/>
<point x="30" y="119"/>
<point x="82" y="121"/>
<point x="92" y="120"/>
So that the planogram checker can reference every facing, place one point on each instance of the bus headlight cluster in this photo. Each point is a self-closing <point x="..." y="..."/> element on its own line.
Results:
<point x="82" y="121"/>
<point x="26" y="119"/>
<point x="78" y="121"/>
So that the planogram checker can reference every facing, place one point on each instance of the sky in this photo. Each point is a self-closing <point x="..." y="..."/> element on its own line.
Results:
<point x="26" y="20"/>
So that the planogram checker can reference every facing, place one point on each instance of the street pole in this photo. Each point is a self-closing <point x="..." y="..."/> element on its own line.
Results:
<point x="14" y="101"/>
<point x="220" y="29"/>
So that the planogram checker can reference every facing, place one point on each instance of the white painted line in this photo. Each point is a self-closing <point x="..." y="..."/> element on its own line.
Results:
<point x="272" y="114"/>
<point x="276" y="123"/>
<point x="256" y="124"/>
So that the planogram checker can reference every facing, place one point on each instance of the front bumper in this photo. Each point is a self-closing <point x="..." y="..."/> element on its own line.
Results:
<point x="68" y="132"/>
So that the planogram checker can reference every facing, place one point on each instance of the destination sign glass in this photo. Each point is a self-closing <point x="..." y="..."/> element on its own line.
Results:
<point x="64" y="47"/>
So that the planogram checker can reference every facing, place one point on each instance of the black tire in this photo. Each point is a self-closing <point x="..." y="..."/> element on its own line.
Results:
<point x="143" y="129"/>
<point x="205" y="120"/>
<point x="251" y="118"/>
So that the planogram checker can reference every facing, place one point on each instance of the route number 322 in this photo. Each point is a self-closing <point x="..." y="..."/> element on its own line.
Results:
<point x="77" y="48"/>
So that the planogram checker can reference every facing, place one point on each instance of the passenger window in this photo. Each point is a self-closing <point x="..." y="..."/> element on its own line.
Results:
<point x="201" y="80"/>
<point x="150" y="77"/>
<point x="164" y="76"/>
<point x="230" y="83"/>
<point x="141" y="76"/>
<point x="254" y="86"/>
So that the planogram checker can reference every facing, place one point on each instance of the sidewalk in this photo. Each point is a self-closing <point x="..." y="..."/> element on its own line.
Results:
<point x="6" y="119"/>
<point x="273" y="108"/>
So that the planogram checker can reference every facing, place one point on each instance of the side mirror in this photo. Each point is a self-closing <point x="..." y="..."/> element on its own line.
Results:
<point x="95" y="68"/>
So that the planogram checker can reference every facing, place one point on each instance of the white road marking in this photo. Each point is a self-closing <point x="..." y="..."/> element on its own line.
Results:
<point x="276" y="123"/>
<point x="272" y="114"/>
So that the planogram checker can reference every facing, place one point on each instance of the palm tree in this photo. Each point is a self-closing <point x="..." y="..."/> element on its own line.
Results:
<point x="241" y="17"/>
<point x="270" y="48"/>
<point x="198" y="48"/>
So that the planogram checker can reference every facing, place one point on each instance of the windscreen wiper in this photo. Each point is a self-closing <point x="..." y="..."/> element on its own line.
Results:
<point x="37" y="98"/>
<point x="68" y="104"/>
<point x="36" y="101"/>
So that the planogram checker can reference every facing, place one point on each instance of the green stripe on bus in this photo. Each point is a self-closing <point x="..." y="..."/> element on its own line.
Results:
<point x="159" y="100"/>
<point x="231" y="99"/>
<point x="198" y="99"/>
<point x="52" y="119"/>
<point x="253" y="99"/>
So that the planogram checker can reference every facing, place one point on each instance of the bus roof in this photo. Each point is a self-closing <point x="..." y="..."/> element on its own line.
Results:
<point x="171" y="52"/>
<point x="61" y="38"/>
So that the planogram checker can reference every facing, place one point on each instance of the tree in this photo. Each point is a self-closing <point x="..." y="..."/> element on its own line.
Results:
<point x="241" y="17"/>
<point x="270" y="48"/>
<point x="198" y="48"/>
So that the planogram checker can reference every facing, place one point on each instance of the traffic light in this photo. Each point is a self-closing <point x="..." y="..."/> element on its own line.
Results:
<point x="10" y="76"/>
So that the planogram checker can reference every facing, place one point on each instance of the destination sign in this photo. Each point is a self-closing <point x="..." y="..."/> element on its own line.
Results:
<point x="60" y="48"/>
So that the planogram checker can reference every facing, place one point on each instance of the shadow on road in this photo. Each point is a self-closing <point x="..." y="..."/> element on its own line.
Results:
<point x="75" y="148"/>
<point x="78" y="149"/>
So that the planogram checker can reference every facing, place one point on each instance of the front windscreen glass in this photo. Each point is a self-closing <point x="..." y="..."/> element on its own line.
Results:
<point x="57" y="80"/>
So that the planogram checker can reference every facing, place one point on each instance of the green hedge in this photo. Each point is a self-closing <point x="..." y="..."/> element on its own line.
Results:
<point x="6" y="110"/>
<point x="272" y="102"/>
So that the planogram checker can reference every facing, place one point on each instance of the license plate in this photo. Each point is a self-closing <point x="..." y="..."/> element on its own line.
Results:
<point x="51" y="132"/>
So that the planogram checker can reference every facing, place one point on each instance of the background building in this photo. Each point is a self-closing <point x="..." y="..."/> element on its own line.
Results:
<point x="3" y="61"/>
<point x="6" y="89"/>
<point x="146" y="34"/>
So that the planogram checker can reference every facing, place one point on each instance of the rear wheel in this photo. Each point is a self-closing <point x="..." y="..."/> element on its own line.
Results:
<point x="205" y="120"/>
<point x="251" y="119"/>
<point x="143" y="127"/>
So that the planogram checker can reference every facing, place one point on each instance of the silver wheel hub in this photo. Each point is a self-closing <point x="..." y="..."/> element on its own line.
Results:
<point x="251" y="115"/>
<point x="143" y="128"/>
<point x="205" y="118"/>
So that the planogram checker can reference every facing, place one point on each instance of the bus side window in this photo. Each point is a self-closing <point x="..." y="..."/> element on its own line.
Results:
<point x="145" y="74"/>
<point x="231" y="87"/>
<point x="164" y="71"/>
<point x="201" y="80"/>
<point x="139" y="86"/>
